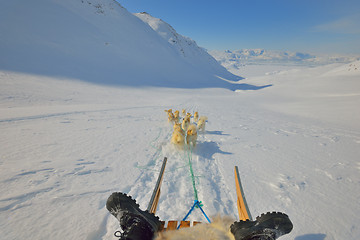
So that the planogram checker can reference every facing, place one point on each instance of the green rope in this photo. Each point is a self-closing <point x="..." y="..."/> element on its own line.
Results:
<point x="189" y="153"/>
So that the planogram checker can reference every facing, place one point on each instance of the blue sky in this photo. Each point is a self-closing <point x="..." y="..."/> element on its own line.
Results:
<point x="314" y="26"/>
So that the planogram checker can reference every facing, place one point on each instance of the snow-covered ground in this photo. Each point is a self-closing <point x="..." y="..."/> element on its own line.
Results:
<point x="83" y="89"/>
<point x="66" y="145"/>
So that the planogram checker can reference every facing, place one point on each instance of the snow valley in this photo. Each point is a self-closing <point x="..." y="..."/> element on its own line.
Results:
<point x="82" y="115"/>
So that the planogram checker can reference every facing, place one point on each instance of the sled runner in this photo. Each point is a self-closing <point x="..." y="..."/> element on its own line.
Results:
<point x="156" y="194"/>
<point x="244" y="213"/>
<point x="243" y="209"/>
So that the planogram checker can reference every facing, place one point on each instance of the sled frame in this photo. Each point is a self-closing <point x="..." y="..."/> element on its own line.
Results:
<point x="154" y="201"/>
<point x="243" y="209"/>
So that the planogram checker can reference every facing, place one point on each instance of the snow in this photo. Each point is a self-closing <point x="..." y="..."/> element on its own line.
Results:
<point x="68" y="140"/>
<point x="96" y="41"/>
<point x="186" y="47"/>
<point x="67" y="145"/>
<point x="265" y="56"/>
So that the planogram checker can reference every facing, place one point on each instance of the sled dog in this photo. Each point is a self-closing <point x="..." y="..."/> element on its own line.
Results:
<point x="201" y="123"/>
<point x="196" y="117"/>
<point x="178" y="136"/>
<point x="178" y="139"/>
<point x="176" y="116"/>
<point x="186" y="122"/>
<point x="177" y="128"/>
<point x="191" y="135"/>
<point x="170" y="115"/>
<point x="183" y="113"/>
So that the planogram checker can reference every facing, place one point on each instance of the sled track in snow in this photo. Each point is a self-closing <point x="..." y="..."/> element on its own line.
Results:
<point x="177" y="190"/>
<point x="177" y="194"/>
<point x="68" y="113"/>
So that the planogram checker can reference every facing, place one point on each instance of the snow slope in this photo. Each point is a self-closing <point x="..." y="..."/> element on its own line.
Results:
<point x="67" y="145"/>
<point x="186" y="47"/>
<point x="95" y="41"/>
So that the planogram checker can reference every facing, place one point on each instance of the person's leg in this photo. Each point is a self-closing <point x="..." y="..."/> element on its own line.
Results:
<point x="269" y="226"/>
<point x="136" y="224"/>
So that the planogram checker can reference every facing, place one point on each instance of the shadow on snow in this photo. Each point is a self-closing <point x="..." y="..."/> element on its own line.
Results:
<point x="208" y="149"/>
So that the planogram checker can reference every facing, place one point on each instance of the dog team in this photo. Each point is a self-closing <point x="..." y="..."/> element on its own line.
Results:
<point x="185" y="131"/>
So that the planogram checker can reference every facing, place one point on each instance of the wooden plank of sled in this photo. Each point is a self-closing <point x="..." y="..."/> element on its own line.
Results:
<point x="172" y="225"/>
<point x="184" y="224"/>
<point x="243" y="209"/>
<point x="162" y="226"/>
<point x="195" y="223"/>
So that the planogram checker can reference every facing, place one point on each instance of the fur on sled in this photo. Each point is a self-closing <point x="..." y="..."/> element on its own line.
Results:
<point x="218" y="229"/>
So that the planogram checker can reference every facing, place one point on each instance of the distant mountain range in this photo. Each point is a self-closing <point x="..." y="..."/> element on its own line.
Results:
<point x="262" y="56"/>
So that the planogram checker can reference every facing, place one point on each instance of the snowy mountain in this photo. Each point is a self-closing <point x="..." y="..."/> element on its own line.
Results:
<point x="234" y="61"/>
<point x="185" y="46"/>
<point x="97" y="41"/>
<point x="248" y="55"/>
<point x="262" y="56"/>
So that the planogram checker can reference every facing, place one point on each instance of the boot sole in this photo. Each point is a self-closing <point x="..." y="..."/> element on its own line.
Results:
<point x="275" y="220"/>
<point x="267" y="226"/>
<point x="118" y="202"/>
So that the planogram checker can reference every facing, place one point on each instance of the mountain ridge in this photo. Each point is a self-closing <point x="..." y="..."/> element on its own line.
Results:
<point x="261" y="55"/>
<point x="95" y="41"/>
<point x="185" y="46"/>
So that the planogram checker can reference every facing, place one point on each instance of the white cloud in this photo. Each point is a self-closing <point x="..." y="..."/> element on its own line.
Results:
<point x="346" y="25"/>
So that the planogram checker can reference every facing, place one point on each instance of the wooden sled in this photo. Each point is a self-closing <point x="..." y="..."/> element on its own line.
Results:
<point x="243" y="209"/>
<point x="242" y="206"/>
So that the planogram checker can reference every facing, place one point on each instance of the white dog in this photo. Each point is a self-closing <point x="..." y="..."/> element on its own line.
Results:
<point x="196" y="116"/>
<point x="191" y="135"/>
<point x="183" y="113"/>
<point x="178" y="136"/>
<point x="201" y="123"/>
<point x="176" y="116"/>
<point x="170" y="115"/>
<point x="186" y="122"/>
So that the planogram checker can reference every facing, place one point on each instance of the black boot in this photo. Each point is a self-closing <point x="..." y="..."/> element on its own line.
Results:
<point x="269" y="226"/>
<point x="136" y="224"/>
